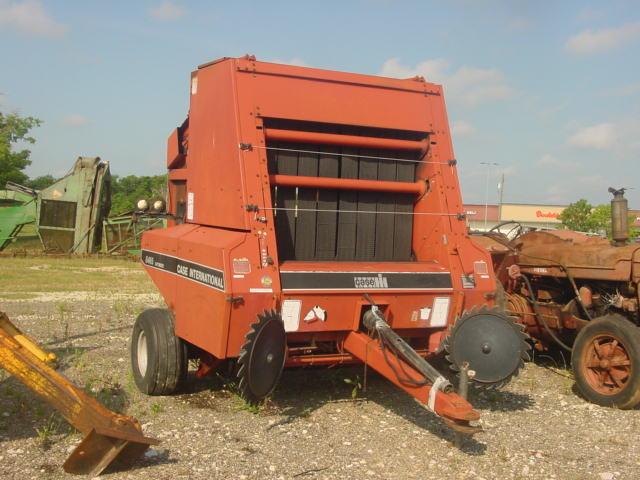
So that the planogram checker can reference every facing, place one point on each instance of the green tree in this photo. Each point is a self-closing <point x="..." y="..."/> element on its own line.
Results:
<point x="576" y="216"/>
<point x="600" y="219"/>
<point x="41" y="182"/>
<point x="126" y="191"/>
<point x="15" y="129"/>
<point x="584" y="217"/>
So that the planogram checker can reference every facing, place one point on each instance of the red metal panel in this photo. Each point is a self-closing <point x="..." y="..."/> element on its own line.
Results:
<point x="174" y="156"/>
<point x="337" y="102"/>
<point x="213" y="149"/>
<point x="415" y="84"/>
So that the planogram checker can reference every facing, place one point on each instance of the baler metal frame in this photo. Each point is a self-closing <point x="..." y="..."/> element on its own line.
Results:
<point x="335" y="185"/>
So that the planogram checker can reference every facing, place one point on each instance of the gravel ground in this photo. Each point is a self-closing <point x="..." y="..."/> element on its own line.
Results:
<point x="312" y="428"/>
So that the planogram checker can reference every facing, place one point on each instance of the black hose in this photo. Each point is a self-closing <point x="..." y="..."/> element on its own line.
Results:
<point x="407" y="380"/>
<point x="569" y="277"/>
<point x="534" y="301"/>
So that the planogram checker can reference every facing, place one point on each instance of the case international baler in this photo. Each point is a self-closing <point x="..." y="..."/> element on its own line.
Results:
<point x="317" y="220"/>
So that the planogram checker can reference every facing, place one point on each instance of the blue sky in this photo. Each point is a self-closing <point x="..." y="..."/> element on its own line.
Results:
<point x="548" y="90"/>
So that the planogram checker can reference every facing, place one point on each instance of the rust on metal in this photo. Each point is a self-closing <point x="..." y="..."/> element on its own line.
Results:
<point x="607" y="364"/>
<point x="109" y="437"/>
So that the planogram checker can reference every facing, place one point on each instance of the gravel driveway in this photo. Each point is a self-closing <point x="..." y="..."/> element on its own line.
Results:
<point x="312" y="428"/>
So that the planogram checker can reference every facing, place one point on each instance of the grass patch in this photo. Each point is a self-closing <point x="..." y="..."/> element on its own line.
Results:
<point x="48" y="430"/>
<point x="25" y="275"/>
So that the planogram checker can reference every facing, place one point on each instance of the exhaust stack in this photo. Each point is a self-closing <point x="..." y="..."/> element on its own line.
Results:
<point x="619" y="217"/>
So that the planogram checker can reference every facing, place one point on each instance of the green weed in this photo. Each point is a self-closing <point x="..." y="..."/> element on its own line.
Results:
<point x="356" y="384"/>
<point x="46" y="431"/>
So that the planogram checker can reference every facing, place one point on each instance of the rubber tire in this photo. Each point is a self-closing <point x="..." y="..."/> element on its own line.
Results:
<point x="167" y="360"/>
<point x="629" y="335"/>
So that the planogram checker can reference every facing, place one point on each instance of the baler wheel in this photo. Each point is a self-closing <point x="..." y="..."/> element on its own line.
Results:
<point x="606" y="362"/>
<point x="158" y="357"/>
<point x="262" y="357"/>
<point x="493" y="344"/>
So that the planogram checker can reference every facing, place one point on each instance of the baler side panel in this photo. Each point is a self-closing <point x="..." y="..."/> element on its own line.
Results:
<point x="213" y="150"/>
<point x="164" y="242"/>
<point x="203" y="312"/>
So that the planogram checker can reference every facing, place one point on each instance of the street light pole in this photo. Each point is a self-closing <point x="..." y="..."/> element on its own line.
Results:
<point x="486" y="193"/>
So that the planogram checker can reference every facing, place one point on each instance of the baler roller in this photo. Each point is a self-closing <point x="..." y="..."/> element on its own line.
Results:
<point x="297" y="136"/>
<point x="416" y="188"/>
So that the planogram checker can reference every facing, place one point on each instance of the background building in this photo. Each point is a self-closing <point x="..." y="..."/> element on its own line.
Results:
<point x="528" y="215"/>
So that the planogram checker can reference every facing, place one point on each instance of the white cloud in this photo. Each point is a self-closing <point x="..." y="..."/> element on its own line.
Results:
<point x="75" y="120"/>
<point x="509" y="171"/>
<point x="29" y="17"/>
<point x="600" y="137"/>
<point x="520" y="24"/>
<point x="624" y="90"/>
<point x="460" y="128"/>
<point x="167" y="11"/>
<point x="467" y="85"/>
<point x="596" y="41"/>
<point x="548" y="160"/>
<point x="589" y="14"/>
<point x="551" y="162"/>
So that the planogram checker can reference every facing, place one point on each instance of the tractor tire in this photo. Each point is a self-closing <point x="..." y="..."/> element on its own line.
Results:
<point x="158" y="357"/>
<point x="606" y="362"/>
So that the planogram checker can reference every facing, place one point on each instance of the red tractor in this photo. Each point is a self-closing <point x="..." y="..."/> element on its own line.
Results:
<point x="580" y="293"/>
<point x="316" y="219"/>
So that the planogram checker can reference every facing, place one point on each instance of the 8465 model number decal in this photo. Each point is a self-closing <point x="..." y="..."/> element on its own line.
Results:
<point x="211" y="277"/>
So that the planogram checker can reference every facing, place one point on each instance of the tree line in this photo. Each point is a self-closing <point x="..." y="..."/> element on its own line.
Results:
<point x="14" y="159"/>
<point x="582" y="216"/>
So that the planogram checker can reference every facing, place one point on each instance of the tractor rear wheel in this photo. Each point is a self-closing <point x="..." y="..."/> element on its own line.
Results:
<point x="158" y="357"/>
<point x="606" y="362"/>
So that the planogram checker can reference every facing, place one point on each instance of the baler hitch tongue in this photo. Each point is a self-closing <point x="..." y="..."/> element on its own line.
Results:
<point x="407" y="369"/>
<point x="109" y="437"/>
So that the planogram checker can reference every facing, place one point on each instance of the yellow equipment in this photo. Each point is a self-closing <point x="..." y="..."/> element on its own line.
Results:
<point x="109" y="436"/>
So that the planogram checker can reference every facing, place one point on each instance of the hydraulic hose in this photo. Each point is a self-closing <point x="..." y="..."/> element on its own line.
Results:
<point x="569" y="277"/>
<point x="539" y="315"/>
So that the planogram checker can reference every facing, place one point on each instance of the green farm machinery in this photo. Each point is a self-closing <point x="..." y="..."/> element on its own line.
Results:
<point x="68" y="216"/>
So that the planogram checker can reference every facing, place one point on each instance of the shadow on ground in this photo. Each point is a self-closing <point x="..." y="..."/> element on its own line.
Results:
<point x="303" y="391"/>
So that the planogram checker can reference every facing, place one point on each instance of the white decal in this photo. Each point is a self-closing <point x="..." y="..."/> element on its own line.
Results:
<point x="371" y="282"/>
<point x="425" y="313"/>
<point x="291" y="314"/>
<point x="190" y="206"/>
<point x="440" y="312"/>
<point x="316" y="313"/>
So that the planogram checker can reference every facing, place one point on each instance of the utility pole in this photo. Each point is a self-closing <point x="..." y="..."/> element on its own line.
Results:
<point x="486" y="192"/>
<point x="500" y="197"/>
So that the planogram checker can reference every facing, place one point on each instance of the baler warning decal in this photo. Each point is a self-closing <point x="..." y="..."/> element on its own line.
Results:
<point x="298" y="280"/>
<point x="211" y="277"/>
